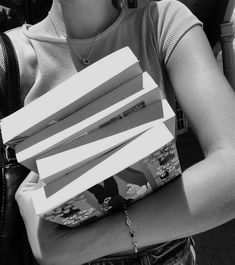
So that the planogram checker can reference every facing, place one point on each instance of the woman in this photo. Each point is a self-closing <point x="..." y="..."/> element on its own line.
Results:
<point x="171" y="46"/>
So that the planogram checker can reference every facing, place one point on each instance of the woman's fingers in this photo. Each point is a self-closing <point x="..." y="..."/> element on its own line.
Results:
<point x="29" y="184"/>
<point x="31" y="178"/>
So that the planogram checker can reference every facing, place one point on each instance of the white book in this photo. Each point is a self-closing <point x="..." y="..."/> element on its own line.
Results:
<point x="168" y="116"/>
<point x="55" y="166"/>
<point x="65" y="158"/>
<point x="101" y="169"/>
<point x="159" y="111"/>
<point x="81" y="122"/>
<point x="72" y="94"/>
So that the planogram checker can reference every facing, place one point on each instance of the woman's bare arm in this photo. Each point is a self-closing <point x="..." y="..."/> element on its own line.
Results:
<point x="200" y="200"/>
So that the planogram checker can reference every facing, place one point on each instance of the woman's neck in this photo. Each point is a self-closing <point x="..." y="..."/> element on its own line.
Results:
<point x="83" y="18"/>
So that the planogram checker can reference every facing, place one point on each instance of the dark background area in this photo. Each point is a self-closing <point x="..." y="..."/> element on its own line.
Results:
<point x="214" y="247"/>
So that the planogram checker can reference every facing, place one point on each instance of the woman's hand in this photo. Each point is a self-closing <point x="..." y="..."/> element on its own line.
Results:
<point x="52" y="244"/>
<point x="42" y="235"/>
<point x="24" y="194"/>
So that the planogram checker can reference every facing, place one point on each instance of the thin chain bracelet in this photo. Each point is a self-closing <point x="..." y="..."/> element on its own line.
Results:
<point x="131" y="230"/>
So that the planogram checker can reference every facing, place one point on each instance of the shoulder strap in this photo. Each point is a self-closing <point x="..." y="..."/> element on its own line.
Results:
<point x="11" y="93"/>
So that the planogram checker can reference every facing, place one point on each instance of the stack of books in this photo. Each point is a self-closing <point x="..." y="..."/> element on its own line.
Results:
<point x="100" y="140"/>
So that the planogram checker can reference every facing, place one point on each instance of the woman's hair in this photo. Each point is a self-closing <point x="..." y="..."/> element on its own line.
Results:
<point x="116" y="3"/>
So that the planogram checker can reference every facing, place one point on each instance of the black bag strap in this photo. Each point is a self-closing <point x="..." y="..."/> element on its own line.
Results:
<point x="11" y="100"/>
<point x="10" y="94"/>
<point x="14" y="245"/>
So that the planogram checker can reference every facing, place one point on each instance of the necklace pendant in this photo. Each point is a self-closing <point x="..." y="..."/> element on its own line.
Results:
<point x="86" y="61"/>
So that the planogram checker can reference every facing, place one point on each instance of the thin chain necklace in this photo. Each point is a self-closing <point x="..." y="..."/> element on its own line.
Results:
<point x="86" y="60"/>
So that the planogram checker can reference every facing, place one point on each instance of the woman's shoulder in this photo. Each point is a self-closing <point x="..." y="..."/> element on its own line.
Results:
<point x="169" y="10"/>
<point x="14" y="32"/>
<point x="21" y="42"/>
<point x="171" y="19"/>
<point x="26" y="57"/>
<point x="19" y="36"/>
<point x="168" y="15"/>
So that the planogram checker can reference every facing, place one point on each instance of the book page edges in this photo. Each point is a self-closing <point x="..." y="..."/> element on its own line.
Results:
<point x="148" y="142"/>
<point x="54" y="166"/>
<point x="70" y="132"/>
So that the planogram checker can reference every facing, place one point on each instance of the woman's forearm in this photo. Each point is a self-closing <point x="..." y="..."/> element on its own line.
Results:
<point x="199" y="200"/>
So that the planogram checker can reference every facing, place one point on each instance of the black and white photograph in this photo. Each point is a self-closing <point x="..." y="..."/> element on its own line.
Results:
<point x="117" y="132"/>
